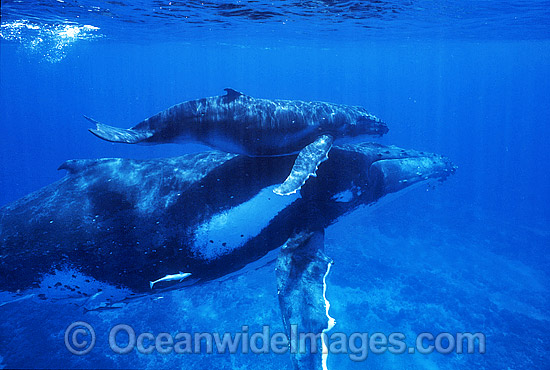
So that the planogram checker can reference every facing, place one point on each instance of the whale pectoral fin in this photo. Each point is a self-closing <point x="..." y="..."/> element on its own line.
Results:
<point x="302" y="268"/>
<point x="306" y="164"/>
<point x="118" y="135"/>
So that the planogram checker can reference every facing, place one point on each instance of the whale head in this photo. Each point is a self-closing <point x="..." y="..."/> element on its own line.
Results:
<point x="362" y="173"/>
<point x="368" y="124"/>
<point x="357" y="122"/>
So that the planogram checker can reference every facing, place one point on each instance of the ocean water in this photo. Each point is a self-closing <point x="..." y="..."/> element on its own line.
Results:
<point x="467" y="79"/>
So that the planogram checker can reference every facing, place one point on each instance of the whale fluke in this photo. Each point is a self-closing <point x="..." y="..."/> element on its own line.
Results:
<point x="118" y="135"/>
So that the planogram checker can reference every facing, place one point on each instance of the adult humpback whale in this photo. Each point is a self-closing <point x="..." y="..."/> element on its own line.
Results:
<point x="241" y="124"/>
<point x="109" y="228"/>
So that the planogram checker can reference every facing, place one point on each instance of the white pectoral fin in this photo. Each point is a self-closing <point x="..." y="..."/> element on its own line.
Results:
<point x="306" y="165"/>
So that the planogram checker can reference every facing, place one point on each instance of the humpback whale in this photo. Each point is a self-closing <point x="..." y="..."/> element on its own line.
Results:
<point x="240" y="124"/>
<point x="101" y="234"/>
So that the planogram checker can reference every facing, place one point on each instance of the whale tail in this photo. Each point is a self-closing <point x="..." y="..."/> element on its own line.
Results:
<point x="118" y="135"/>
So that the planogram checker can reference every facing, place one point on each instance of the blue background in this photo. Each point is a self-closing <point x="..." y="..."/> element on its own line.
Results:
<point x="484" y="104"/>
<point x="470" y="256"/>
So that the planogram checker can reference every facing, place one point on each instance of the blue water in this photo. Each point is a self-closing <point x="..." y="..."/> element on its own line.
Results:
<point x="469" y="80"/>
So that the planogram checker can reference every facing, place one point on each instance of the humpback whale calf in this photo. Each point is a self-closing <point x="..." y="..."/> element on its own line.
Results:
<point x="240" y="124"/>
<point x="99" y="236"/>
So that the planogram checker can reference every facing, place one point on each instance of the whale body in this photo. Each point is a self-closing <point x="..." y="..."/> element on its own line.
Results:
<point x="241" y="124"/>
<point x="102" y="233"/>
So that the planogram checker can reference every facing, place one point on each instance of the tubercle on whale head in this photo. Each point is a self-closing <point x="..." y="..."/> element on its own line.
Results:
<point x="364" y="124"/>
<point x="372" y="125"/>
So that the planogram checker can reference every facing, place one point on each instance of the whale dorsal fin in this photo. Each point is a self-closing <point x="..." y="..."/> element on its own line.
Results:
<point x="231" y="95"/>
<point x="74" y="166"/>
<point x="77" y="165"/>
